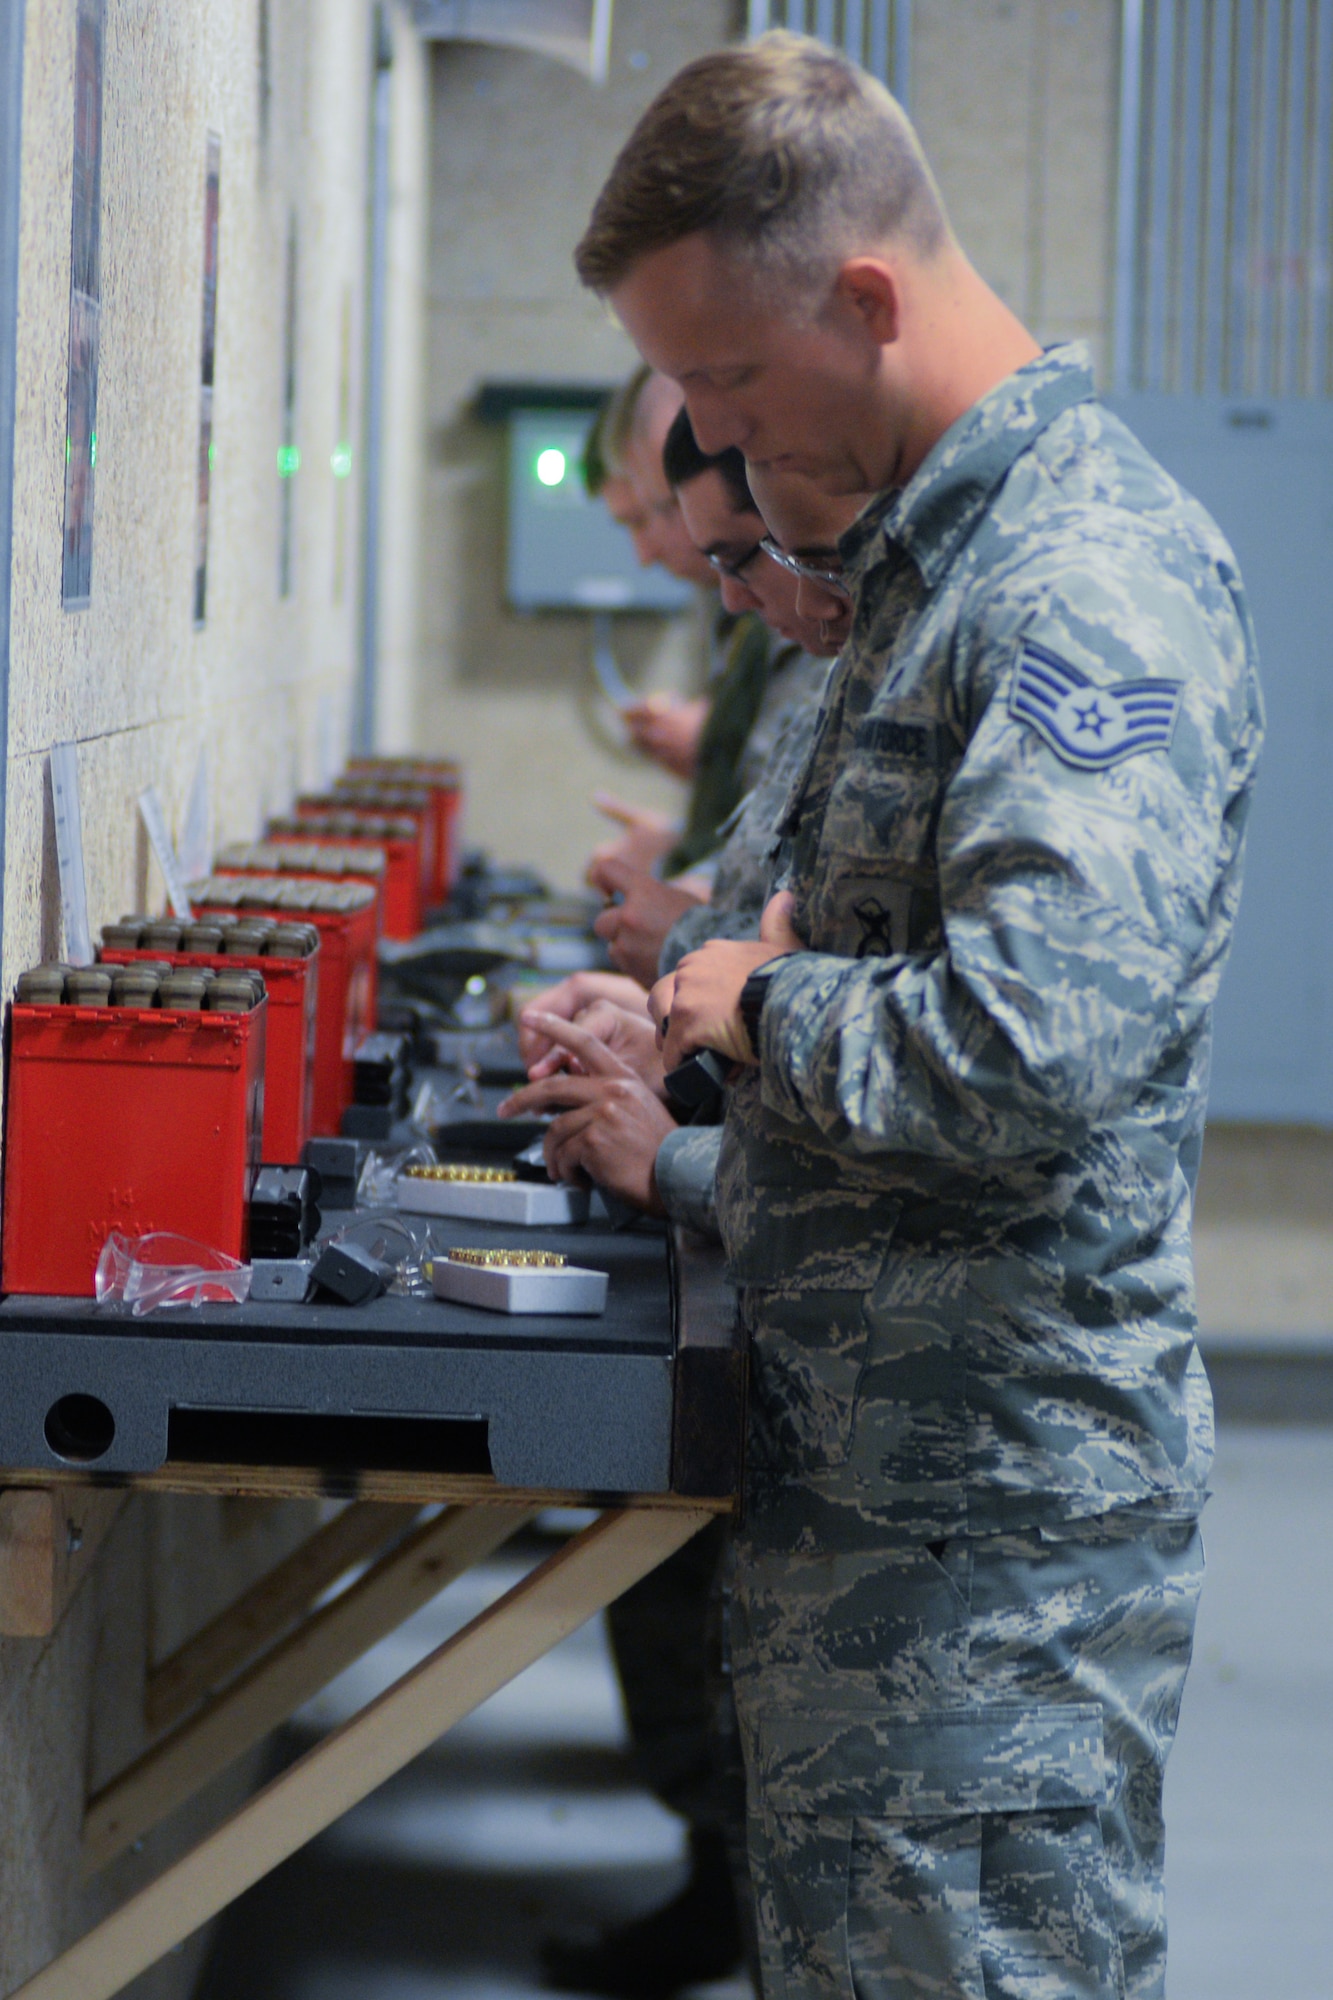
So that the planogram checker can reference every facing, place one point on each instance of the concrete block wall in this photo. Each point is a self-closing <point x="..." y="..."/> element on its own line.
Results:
<point x="1016" y="104"/>
<point x="520" y="147"/>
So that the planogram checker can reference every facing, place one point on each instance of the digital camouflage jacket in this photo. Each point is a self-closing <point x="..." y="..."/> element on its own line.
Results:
<point x="956" y="1193"/>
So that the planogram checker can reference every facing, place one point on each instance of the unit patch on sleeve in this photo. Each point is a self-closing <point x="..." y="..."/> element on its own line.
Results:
<point x="1087" y="726"/>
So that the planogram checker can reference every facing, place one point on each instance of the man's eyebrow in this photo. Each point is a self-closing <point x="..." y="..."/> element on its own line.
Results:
<point x="815" y="552"/>
<point x="748" y="536"/>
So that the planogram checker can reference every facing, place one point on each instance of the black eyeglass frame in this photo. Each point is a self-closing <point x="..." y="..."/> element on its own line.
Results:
<point x="735" y="570"/>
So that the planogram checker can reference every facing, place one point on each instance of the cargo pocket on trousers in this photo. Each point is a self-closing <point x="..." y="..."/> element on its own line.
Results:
<point x="971" y="1783"/>
<point x="928" y="1763"/>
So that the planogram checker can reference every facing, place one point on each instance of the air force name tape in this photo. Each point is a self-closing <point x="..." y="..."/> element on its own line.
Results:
<point x="1087" y="726"/>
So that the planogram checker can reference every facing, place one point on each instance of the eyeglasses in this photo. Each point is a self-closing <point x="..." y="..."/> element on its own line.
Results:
<point x="798" y="566"/>
<point x="735" y="570"/>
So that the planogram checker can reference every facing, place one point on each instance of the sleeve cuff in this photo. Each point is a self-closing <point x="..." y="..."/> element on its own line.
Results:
<point x="686" y="1173"/>
<point x="794" y="1030"/>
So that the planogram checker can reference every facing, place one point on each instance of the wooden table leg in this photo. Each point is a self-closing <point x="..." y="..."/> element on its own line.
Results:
<point x="548" y="1604"/>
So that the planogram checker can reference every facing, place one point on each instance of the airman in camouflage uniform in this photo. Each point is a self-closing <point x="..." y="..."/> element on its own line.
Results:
<point x="743" y="875"/>
<point x="686" y="1165"/>
<point x="956" y="1196"/>
<point x="761" y="676"/>
<point x="958" y="1164"/>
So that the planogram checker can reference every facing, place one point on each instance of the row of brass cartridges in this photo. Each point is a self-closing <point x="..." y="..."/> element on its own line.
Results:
<point x="524" y="1260"/>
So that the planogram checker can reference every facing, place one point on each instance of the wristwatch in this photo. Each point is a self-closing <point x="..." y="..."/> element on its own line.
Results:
<point x="754" y="993"/>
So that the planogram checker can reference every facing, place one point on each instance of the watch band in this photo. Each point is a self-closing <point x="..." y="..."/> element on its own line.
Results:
<point x="754" y="993"/>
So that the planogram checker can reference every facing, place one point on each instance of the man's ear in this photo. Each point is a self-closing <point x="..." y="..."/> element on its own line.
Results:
<point x="867" y="287"/>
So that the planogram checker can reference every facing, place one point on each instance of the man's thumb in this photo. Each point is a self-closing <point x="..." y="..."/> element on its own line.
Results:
<point x="775" y="926"/>
<point x="611" y="875"/>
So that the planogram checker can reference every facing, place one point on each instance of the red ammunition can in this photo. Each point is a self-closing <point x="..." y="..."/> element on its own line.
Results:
<point x="388" y="844"/>
<point x="126" y="1118"/>
<point x="346" y="915"/>
<point x="292" y="985"/>
<point x="442" y="778"/>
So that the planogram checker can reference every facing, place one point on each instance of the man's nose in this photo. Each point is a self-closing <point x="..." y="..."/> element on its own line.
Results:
<point x="716" y="426"/>
<point x="737" y="596"/>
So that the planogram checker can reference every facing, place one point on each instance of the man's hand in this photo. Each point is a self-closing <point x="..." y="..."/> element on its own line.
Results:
<point x="630" y="1037"/>
<point x="610" y="1126"/>
<point x="668" y="730"/>
<point x="647" y="836"/>
<point x="636" y="928"/>
<point x="698" y="1005"/>
<point x="571" y="998"/>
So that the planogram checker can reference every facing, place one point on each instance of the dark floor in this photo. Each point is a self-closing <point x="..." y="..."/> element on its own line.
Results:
<point x="526" y="1817"/>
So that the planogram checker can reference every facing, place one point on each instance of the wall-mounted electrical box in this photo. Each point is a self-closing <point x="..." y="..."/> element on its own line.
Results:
<point x="564" y="552"/>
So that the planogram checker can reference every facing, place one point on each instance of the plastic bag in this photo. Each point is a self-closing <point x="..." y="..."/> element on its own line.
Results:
<point x="163" y="1269"/>
<point x="380" y="1171"/>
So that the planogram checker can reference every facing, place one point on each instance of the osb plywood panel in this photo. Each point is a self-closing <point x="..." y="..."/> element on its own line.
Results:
<point x="265" y="684"/>
<point x="264" y="687"/>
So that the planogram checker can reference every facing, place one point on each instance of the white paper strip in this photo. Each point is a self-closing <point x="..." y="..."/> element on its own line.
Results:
<point x="196" y="848"/>
<point x="69" y="853"/>
<point x="154" y="819"/>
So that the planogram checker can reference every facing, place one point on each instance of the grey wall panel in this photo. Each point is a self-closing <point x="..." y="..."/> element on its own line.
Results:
<point x="875" y="33"/>
<point x="1265" y="471"/>
<point x="1225" y="179"/>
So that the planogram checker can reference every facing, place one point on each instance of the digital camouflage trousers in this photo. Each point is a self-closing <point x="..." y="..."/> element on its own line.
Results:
<point x="956" y="1755"/>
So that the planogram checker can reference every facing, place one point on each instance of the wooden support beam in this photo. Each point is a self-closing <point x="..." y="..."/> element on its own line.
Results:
<point x="264" y="1611"/>
<point x="48" y="1540"/>
<point x="275" y="1686"/>
<point x="548" y="1604"/>
<point x="303" y="1482"/>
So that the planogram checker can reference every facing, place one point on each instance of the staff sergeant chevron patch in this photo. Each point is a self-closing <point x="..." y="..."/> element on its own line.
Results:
<point x="1087" y="726"/>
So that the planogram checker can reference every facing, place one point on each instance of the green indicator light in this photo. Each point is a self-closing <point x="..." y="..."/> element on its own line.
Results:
<point x="69" y="450"/>
<point x="289" y="460"/>
<point x="552" y="466"/>
<point x="341" y="461"/>
<point x="92" y="448"/>
<point x="211" y="451"/>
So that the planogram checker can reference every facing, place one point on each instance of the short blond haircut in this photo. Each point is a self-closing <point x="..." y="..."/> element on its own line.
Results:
<point x="784" y="152"/>
<point x="612" y="429"/>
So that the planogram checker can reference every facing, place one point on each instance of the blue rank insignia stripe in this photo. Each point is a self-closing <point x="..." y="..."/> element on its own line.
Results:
<point x="1088" y="726"/>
